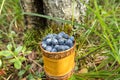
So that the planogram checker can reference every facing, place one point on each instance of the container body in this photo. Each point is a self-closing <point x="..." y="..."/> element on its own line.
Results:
<point x="59" y="64"/>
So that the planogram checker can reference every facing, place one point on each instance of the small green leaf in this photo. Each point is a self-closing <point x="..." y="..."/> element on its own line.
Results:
<point x="5" y="53"/>
<point x="21" y="58"/>
<point x="9" y="47"/>
<point x="1" y="36"/>
<point x="13" y="33"/>
<point x="23" y="49"/>
<point x="21" y="72"/>
<point x="18" y="50"/>
<point x="12" y="60"/>
<point x="30" y="77"/>
<point x="28" y="52"/>
<point x="0" y="63"/>
<point x="17" y="64"/>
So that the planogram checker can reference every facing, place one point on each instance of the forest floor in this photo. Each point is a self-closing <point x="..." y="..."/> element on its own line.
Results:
<point x="97" y="43"/>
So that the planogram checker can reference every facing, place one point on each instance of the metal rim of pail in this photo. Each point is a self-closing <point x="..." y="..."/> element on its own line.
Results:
<point x="58" y="55"/>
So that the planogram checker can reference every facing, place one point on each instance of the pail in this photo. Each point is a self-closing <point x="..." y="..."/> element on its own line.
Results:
<point x="59" y="65"/>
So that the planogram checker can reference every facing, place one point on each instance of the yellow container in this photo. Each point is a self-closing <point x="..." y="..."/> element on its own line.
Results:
<point x="58" y="65"/>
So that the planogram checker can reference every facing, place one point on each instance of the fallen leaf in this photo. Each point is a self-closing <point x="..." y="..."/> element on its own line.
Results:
<point x="2" y="72"/>
<point x="23" y="79"/>
<point x="84" y="70"/>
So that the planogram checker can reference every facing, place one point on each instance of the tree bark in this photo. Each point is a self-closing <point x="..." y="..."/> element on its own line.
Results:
<point x="33" y="6"/>
<point x="73" y="10"/>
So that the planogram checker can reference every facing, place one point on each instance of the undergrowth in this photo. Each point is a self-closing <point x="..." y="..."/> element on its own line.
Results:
<point x="97" y="42"/>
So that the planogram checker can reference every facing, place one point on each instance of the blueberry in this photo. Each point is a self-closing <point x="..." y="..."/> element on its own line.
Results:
<point x="43" y="42"/>
<point x="49" y="36"/>
<point x="58" y="37"/>
<point x="69" y="43"/>
<point x="61" y="41"/>
<point x="66" y="36"/>
<point x="54" y="35"/>
<point x="54" y="41"/>
<point x="48" y="48"/>
<point x="54" y="50"/>
<point x="44" y="45"/>
<point x="66" y="47"/>
<point x="72" y="38"/>
<point x="49" y="41"/>
<point x="61" y="33"/>
<point x="65" y="40"/>
<point x="56" y="47"/>
<point x="61" y="48"/>
<point x="44" y="39"/>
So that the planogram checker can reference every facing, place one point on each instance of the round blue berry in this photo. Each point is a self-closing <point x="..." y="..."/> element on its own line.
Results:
<point x="69" y="43"/>
<point x="56" y="47"/>
<point x="66" y="47"/>
<point x="49" y="48"/>
<point x="66" y="36"/>
<point x="49" y="41"/>
<point x="58" y="37"/>
<point x="49" y="36"/>
<point x="61" y="33"/>
<point x="54" y="50"/>
<point x="61" y="41"/>
<point x="54" y="41"/>
<point x="44" y="45"/>
<point x="54" y="35"/>
<point x="44" y="39"/>
<point x="72" y="38"/>
<point x="61" y="48"/>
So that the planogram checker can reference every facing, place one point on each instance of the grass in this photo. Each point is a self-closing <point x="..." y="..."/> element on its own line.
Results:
<point x="98" y="37"/>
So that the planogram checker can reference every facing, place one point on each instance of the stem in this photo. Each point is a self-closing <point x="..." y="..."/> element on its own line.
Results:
<point x="14" y="55"/>
<point x="73" y="2"/>
<point x="2" y="6"/>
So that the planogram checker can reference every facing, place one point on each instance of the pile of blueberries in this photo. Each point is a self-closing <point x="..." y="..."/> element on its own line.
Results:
<point x="57" y="42"/>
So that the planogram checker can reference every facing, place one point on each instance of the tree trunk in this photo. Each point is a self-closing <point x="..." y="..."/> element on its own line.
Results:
<point x="73" y="10"/>
<point x="33" y="6"/>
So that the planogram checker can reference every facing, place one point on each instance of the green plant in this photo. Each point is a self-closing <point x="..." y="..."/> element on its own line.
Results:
<point x="99" y="34"/>
<point x="14" y="55"/>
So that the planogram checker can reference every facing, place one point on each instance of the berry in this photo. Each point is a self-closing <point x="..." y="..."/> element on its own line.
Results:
<point x="56" y="47"/>
<point x="54" y="35"/>
<point x="54" y="50"/>
<point x="66" y="47"/>
<point x="54" y="41"/>
<point x="44" y="45"/>
<point x="61" y="41"/>
<point x="58" y="37"/>
<point x="61" y="48"/>
<point x="57" y="42"/>
<point x="69" y="43"/>
<point x="72" y="38"/>
<point x="44" y="39"/>
<point x="65" y="36"/>
<point x="49" y="36"/>
<point x="48" y="41"/>
<point x="61" y="33"/>
<point x="49" y="48"/>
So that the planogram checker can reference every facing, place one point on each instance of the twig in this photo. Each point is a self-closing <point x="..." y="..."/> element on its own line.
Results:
<point x="36" y="63"/>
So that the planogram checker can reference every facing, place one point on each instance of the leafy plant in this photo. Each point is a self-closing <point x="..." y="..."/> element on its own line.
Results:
<point x="14" y="55"/>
